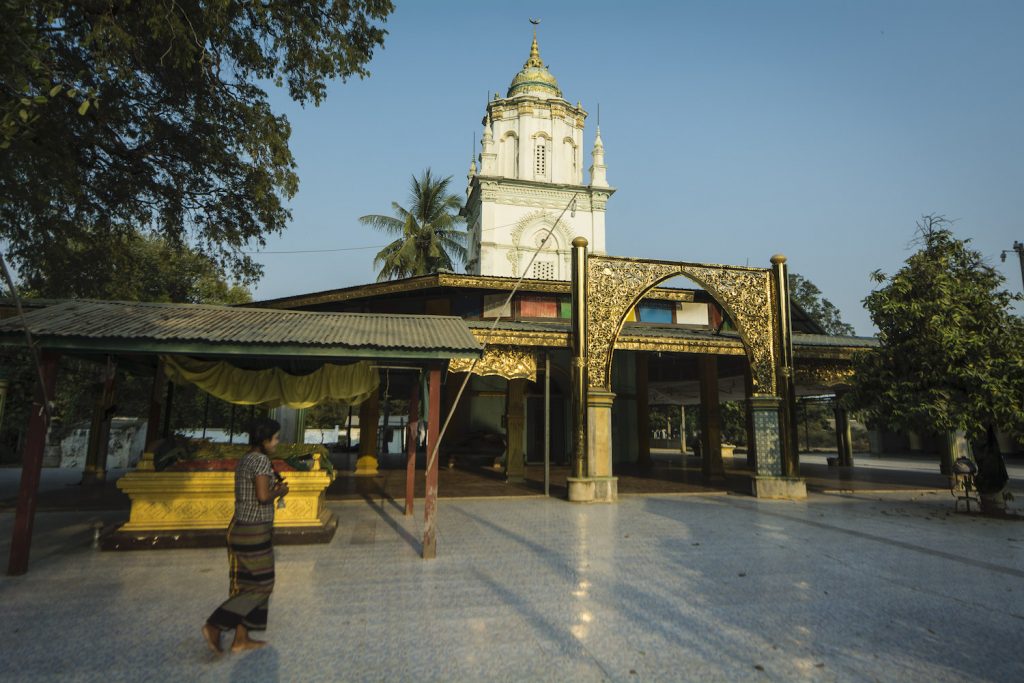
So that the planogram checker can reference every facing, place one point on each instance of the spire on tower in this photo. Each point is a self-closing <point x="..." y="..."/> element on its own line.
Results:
<point x="598" y="171"/>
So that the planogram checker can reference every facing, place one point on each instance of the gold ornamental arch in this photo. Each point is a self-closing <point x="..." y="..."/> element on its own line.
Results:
<point x="615" y="285"/>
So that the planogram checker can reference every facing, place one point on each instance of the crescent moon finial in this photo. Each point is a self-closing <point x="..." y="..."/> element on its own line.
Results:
<point x="535" y="22"/>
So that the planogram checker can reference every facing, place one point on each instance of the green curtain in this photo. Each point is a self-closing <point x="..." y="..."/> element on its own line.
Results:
<point x="274" y="387"/>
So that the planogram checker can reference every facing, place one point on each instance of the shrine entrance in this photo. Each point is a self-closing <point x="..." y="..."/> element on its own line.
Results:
<point x="605" y="289"/>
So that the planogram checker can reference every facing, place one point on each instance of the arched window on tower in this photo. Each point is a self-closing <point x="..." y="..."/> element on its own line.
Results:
<point x="509" y="162"/>
<point x="574" y="160"/>
<point x="540" y="159"/>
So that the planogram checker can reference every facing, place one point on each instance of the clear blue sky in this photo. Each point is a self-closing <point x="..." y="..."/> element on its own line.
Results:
<point x="733" y="130"/>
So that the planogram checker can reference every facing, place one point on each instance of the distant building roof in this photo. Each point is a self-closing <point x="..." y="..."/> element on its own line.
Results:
<point x="121" y="326"/>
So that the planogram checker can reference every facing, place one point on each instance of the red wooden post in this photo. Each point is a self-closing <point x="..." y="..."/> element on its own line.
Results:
<point x="430" y="500"/>
<point x="411" y="441"/>
<point x="31" y="467"/>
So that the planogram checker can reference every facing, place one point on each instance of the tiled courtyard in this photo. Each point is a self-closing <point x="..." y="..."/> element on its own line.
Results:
<point x="887" y="587"/>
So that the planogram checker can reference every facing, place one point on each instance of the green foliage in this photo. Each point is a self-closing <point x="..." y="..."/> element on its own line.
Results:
<point x="140" y="268"/>
<point x="117" y="116"/>
<point x="134" y="267"/>
<point x="808" y="297"/>
<point x="429" y="238"/>
<point x="952" y="352"/>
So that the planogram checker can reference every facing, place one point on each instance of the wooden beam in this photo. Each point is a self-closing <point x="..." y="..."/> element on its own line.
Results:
<point x="31" y="467"/>
<point x="430" y="500"/>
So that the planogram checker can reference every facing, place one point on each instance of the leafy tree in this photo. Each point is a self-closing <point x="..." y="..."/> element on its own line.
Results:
<point x="429" y="239"/>
<point x="951" y="354"/>
<point x="135" y="267"/>
<point x="140" y="268"/>
<point x="118" y="116"/>
<point x="809" y="298"/>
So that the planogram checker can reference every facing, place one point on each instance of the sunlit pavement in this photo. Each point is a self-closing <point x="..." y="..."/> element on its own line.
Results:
<point x="838" y="588"/>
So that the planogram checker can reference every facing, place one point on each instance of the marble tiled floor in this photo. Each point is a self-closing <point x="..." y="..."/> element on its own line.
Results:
<point x="727" y="588"/>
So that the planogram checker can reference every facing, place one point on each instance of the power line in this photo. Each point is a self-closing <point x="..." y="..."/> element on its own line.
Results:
<point x="315" y="251"/>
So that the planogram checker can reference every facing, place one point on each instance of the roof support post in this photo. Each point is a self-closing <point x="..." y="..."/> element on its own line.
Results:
<point x="31" y="467"/>
<point x="95" y="471"/>
<point x="710" y="418"/>
<point x="430" y="499"/>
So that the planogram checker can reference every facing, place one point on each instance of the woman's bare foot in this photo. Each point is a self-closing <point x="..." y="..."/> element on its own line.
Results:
<point x="211" y="635"/>
<point x="243" y="642"/>
<point x="247" y="644"/>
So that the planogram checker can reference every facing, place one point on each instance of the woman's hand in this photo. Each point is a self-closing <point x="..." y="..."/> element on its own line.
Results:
<point x="281" y="489"/>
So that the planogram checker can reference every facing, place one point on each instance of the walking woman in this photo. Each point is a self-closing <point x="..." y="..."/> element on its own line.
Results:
<point x="250" y="544"/>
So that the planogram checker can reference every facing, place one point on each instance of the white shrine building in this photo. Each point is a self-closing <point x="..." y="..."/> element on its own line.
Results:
<point x="531" y="166"/>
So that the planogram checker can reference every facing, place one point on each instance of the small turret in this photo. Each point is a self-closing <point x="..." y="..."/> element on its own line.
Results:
<point x="598" y="171"/>
<point x="488" y="157"/>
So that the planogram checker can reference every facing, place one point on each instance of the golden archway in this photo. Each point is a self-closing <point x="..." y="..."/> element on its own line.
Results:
<point x="615" y="285"/>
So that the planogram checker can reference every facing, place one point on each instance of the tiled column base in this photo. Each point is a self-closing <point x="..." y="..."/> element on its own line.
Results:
<point x="593" y="489"/>
<point x="784" y="488"/>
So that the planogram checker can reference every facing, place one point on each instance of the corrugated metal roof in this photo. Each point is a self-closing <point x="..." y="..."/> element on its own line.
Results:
<point x="205" y="324"/>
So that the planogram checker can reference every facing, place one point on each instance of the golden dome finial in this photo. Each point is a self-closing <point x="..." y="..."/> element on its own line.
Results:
<point x="534" y="59"/>
<point x="534" y="78"/>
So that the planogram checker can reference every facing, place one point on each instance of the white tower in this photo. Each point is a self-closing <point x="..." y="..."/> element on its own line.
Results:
<point x="531" y="165"/>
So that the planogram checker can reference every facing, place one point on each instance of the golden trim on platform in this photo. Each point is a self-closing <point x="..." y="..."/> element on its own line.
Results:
<point x="501" y="361"/>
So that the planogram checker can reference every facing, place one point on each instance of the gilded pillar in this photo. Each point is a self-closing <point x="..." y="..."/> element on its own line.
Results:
<point x="369" y="416"/>
<point x="710" y="418"/>
<point x="643" y="412"/>
<point x="579" y="357"/>
<point x="787" y="387"/>
<point x="515" y="421"/>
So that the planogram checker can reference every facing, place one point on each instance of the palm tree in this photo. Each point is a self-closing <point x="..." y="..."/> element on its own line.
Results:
<point x="430" y="239"/>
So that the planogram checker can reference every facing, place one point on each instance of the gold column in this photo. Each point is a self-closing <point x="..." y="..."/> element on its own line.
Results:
<point x="369" y="416"/>
<point x="515" y="421"/>
<point x="787" y="389"/>
<point x="710" y="418"/>
<point x="579" y="356"/>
